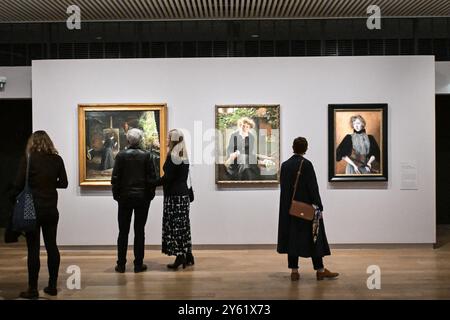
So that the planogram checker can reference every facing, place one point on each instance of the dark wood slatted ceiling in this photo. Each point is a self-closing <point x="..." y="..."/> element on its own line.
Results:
<point x="116" y="10"/>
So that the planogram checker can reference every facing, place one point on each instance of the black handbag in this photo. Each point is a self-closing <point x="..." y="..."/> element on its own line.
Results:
<point x="10" y="235"/>
<point x="24" y="214"/>
<point x="191" y="191"/>
<point x="191" y="195"/>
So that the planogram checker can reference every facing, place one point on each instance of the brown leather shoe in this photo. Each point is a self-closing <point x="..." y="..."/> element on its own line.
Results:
<point x="326" y="274"/>
<point x="295" y="276"/>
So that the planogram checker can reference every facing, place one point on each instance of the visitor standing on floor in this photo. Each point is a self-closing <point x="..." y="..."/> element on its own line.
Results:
<point x="298" y="237"/>
<point x="46" y="174"/>
<point x="133" y="180"/>
<point x="176" y="228"/>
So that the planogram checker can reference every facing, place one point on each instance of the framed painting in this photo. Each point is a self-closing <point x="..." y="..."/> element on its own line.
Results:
<point x="102" y="130"/>
<point x="247" y="144"/>
<point x="357" y="142"/>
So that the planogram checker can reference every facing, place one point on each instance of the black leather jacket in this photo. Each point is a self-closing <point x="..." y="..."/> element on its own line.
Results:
<point x="133" y="176"/>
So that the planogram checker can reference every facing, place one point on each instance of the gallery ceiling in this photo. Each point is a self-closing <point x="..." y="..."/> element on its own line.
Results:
<point x="12" y="11"/>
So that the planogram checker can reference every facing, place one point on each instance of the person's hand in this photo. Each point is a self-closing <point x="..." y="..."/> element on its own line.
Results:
<point x="268" y="163"/>
<point x="234" y="155"/>
<point x="369" y="167"/>
<point x="355" y="167"/>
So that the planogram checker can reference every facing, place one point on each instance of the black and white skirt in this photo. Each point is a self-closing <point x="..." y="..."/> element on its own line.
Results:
<point x="176" y="231"/>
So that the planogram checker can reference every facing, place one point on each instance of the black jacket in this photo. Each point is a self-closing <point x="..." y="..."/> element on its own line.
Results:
<point x="175" y="177"/>
<point x="133" y="176"/>
<point x="295" y="234"/>
<point x="345" y="148"/>
<point x="47" y="173"/>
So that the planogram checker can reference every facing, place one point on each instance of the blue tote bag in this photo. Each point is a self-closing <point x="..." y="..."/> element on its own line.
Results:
<point x="24" y="215"/>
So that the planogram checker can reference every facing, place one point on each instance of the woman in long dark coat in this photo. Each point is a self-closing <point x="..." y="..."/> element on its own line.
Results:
<point x="295" y="235"/>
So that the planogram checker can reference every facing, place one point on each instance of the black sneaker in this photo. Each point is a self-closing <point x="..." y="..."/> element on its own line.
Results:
<point x="120" y="269"/>
<point x="29" y="294"/>
<point x="51" y="291"/>
<point x="140" y="268"/>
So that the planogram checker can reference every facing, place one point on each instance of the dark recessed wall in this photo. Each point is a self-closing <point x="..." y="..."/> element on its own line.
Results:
<point x="442" y="159"/>
<point x="22" y="43"/>
<point x="16" y="124"/>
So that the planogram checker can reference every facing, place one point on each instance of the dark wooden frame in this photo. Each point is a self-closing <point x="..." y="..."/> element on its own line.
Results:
<point x="332" y="108"/>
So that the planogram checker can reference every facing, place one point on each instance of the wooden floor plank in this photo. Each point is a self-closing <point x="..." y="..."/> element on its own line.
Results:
<point x="406" y="273"/>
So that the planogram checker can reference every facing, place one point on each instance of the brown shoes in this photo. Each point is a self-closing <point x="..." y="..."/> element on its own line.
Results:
<point x="295" y="276"/>
<point x="326" y="274"/>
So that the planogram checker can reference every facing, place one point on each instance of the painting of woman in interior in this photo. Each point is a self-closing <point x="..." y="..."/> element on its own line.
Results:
<point x="102" y="135"/>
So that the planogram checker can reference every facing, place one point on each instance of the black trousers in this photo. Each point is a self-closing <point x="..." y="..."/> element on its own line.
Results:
<point x="126" y="209"/>
<point x="293" y="262"/>
<point x="48" y="222"/>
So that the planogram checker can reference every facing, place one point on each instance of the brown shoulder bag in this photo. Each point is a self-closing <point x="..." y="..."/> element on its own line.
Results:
<point x="301" y="209"/>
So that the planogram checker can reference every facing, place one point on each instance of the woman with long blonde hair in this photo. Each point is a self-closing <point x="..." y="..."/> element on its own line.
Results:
<point x="176" y="228"/>
<point x="46" y="174"/>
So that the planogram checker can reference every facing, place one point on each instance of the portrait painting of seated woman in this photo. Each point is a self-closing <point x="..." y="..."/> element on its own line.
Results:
<point x="247" y="144"/>
<point x="358" y="136"/>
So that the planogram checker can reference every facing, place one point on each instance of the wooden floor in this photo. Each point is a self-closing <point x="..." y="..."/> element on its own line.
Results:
<point x="406" y="273"/>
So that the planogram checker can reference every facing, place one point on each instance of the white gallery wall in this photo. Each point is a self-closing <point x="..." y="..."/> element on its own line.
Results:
<point x="18" y="82"/>
<point x="354" y="212"/>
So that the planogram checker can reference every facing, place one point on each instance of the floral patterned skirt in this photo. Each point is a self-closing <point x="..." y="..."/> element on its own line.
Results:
<point x="176" y="226"/>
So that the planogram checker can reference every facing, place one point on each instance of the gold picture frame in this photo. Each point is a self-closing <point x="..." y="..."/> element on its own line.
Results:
<point x="263" y="165"/>
<point x="102" y="134"/>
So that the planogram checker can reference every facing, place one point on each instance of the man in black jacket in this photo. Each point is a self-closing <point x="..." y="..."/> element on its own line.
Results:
<point x="133" y="188"/>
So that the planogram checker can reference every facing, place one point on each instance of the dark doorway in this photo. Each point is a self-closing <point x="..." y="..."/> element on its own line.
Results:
<point x="442" y="159"/>
<point x="16" y="124"/>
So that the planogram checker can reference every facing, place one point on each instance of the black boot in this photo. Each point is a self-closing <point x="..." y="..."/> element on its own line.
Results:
<point x="51" y="288"/>
<point x="180" y="260"/>
<point x="140" y="268"/>
<point x="31" y="293"/>
<point x="51" y="291"/>
<point x="120" y="268"/>
<point x="189" y="259"/>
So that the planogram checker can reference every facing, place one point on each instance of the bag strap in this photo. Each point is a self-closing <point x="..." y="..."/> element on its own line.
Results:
<point x="296" y="179"/>
<point x="28" y="170"/>
<point x="189" y="176"/>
